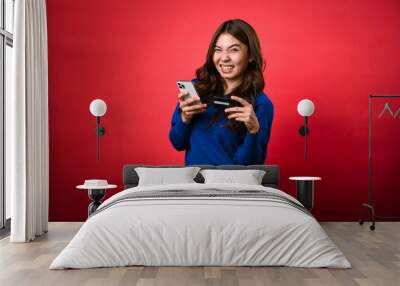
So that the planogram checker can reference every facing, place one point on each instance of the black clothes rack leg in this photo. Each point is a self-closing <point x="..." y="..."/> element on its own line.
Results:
<point x="370" y="205"/>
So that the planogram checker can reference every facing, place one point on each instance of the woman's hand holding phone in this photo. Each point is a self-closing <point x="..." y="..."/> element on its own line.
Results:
<point x="190" y="106"/>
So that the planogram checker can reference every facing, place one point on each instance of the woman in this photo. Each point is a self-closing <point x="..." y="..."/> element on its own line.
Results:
<point x="234" y="135"/>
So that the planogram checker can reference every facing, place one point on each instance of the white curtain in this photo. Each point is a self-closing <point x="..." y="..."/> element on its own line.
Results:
<point x="27" y="124"/>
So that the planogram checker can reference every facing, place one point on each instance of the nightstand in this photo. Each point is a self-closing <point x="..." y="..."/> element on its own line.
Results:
<point x="96" y="191"/>
<point x="305" y="190"/>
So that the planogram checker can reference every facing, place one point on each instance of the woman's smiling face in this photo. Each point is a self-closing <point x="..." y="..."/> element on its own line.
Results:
<point x="230" y="57"/>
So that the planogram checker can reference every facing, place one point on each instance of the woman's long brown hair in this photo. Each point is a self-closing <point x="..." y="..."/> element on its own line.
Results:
<point x="210" y="83"/>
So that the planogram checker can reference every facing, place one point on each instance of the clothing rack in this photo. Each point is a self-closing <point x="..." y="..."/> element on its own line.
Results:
<point x="369" y="204"/>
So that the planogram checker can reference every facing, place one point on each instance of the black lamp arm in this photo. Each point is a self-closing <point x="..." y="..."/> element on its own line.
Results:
<point x="303" y="130"/>
<point x="100" y="130"/>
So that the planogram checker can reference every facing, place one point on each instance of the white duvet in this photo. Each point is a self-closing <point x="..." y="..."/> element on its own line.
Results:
<point x="200" y="231"/>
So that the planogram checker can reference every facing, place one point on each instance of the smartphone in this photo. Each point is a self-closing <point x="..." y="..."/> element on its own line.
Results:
<point x="187" y="85"/>
<point x="225" y="102"/>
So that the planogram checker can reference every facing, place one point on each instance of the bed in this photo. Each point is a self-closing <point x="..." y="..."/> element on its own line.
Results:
<point x="201" y="224"/>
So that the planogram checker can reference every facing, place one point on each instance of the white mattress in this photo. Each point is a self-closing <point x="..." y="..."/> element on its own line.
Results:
<point x="200" y="231"/>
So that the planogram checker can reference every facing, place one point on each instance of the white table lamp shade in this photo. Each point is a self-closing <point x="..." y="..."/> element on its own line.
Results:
<point x="305" y="107"/>
<point x="98" y="107"/>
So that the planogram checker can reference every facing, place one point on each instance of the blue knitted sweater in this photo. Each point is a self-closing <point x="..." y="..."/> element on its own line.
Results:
<point x="208" y="142"/>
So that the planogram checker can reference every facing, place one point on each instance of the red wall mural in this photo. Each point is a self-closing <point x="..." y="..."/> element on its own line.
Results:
<point x="129" y="53"/>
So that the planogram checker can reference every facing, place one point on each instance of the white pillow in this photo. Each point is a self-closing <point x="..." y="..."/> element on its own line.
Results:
<point x="163" y="176"/>
<point x="249" y="177"/>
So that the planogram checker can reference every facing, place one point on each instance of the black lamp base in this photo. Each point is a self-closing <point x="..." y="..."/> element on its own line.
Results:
<point x="101" y="130"/>
<point x="303" y="130"/>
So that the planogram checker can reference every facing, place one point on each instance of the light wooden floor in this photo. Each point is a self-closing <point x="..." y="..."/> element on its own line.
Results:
<point x="375" y="257"/>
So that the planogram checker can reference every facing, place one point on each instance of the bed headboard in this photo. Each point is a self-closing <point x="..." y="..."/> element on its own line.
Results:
<point x="270" y="179"/>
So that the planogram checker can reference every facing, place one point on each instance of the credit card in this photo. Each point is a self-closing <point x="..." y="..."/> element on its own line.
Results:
<point x="225" y="102"/>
